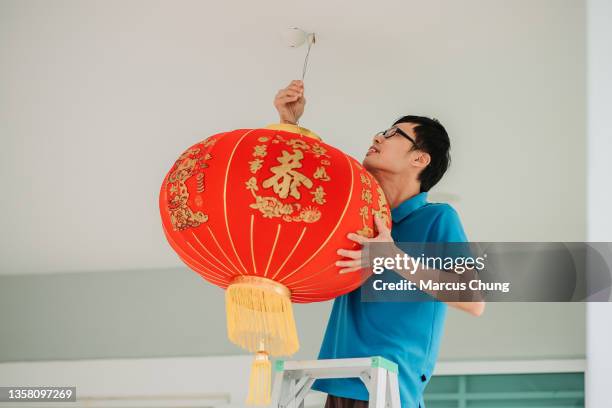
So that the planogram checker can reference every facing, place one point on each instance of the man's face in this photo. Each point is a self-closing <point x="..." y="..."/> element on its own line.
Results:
<point x="393" y="155"/>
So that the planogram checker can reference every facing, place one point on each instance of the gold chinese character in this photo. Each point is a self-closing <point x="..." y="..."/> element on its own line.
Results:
<point x="251" y="184"/>
<point x="297" y="143"/>
<point x="320" y="173"/>
<point x="286" y="180"/>
<point x="318" y="195"/>
<point x="255" y="165"/>
<point x="366" y="195"/>
<point x="260" y="150"/>
<point x="209" y="142"/>
<point x="318" y="150"/>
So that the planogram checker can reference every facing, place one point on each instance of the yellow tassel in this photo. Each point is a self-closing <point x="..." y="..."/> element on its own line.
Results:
<point x="260" y="381"/>
<point x="259" y="312"/>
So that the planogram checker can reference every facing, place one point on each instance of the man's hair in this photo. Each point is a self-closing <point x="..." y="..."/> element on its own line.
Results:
<point x="431" y="137"/>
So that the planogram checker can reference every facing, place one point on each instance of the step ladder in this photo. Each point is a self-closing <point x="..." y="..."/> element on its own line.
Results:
<point x="293" y="379"/>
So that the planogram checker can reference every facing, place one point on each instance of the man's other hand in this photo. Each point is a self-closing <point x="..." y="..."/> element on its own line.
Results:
<point x="354" y="264"/>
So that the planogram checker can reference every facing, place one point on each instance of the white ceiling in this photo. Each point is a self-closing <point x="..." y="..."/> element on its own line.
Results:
<point x="97" y="99"/>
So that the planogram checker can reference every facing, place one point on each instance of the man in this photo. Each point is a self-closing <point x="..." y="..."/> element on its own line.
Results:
<point x="406" y="160"/>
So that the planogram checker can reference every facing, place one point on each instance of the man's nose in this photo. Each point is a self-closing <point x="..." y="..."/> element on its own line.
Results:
<point x="378" y="138"/>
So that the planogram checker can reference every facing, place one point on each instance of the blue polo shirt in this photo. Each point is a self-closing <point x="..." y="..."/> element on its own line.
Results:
<point x="407" y="333"/>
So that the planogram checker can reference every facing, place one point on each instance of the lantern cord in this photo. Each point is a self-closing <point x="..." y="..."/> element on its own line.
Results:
<point x="305" y="67"/>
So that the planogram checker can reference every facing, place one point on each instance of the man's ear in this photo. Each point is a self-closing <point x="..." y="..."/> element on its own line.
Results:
<point x="422" y="159"/>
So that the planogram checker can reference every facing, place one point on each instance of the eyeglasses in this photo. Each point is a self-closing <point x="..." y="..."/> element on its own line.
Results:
<point x="395" y="130"/>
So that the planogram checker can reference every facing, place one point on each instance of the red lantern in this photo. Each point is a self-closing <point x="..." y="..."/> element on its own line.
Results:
<point x="261" y="213"/>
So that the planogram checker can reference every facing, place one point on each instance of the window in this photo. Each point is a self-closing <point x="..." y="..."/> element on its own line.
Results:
<point x="554" y="390"/>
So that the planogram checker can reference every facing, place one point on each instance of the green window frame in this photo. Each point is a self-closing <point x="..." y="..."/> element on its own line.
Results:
<point x="541" y="390"/>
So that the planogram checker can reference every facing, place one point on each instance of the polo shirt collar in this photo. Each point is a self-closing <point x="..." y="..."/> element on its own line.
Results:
<point x="405" y="208"/>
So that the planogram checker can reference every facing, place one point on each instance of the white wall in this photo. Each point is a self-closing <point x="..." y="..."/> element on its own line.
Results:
<point x="98" y="98"/>
<point x="173" y="313"/>
<point x="599" y="315"/>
